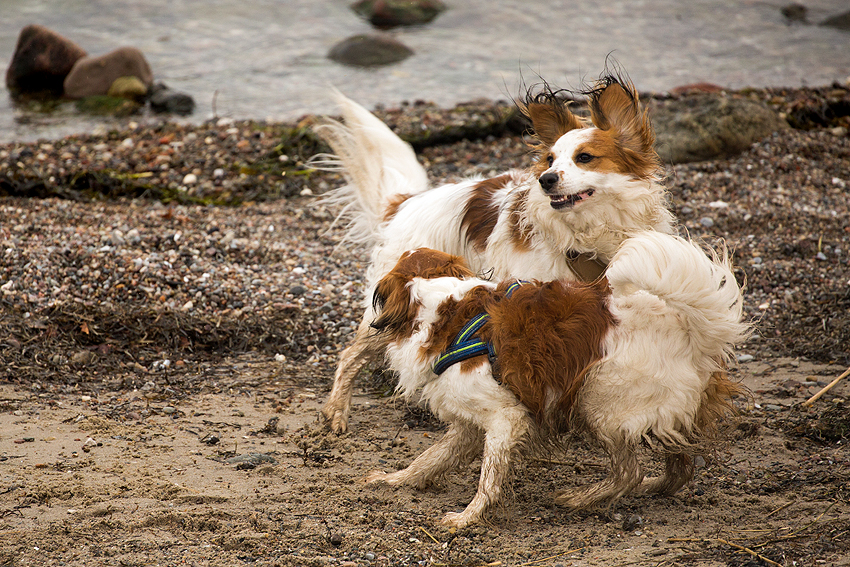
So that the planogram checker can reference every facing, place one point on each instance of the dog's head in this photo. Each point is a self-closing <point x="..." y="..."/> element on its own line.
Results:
<point x="579" y="162"/>
<point x="392" y="300"/>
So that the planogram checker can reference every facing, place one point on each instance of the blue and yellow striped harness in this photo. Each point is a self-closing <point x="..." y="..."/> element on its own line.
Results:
<point x="466" y="344"/>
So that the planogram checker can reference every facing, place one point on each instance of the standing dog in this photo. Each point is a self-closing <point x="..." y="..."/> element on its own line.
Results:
<point x="633" y="359"/>
<point x="592" y="185"/>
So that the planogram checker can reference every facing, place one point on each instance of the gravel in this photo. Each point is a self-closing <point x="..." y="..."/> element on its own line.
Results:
<point x="106" y="238"/>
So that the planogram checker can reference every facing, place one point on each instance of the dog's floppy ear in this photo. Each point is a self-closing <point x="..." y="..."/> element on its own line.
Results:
<point x="549" y="116"/>
<point x="614" y="105"/>
<point x="454" y="267"/>
<point x="551" y="121"/>
<point x="391" y="300"/>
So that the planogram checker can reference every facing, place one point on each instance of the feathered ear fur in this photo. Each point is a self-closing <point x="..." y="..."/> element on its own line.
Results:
<point x="391" y="300"/>
<point x="392" y="294"/>
<point x="614" y="107"/>
<point x="549" y="115"/>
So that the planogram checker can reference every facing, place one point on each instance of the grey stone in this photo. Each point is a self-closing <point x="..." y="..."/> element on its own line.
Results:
<point x="707" y="126"/>
<point x="369" y="50"/>
<point x="385" y="14"/>
<point x="165" y="100"/>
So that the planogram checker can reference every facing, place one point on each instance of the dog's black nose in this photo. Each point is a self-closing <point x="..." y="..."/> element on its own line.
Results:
<point x="548" y="181"/>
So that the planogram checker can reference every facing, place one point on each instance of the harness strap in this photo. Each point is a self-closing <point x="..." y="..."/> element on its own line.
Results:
<point x="465" y="345"/>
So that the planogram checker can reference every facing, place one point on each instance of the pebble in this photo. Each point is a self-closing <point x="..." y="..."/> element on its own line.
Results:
<point x="632" y="523"/>
<point x="742" y="358"/>
<point x="228" y="264"/>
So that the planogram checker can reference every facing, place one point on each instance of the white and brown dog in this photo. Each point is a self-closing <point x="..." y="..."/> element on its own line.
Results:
<point x="594" y="183"/>
<point x="634" y="357"/>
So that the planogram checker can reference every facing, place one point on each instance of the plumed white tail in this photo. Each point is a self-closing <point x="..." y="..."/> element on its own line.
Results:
<point x="376" y="165"/>
<point x="698" y="284"/>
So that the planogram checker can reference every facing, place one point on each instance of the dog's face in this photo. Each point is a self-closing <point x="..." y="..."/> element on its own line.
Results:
<point x="581" y="164"/>
<point x="391" y="298"/>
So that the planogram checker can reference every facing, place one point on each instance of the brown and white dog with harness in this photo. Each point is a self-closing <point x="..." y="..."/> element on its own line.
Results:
<point x="635" y="357"/>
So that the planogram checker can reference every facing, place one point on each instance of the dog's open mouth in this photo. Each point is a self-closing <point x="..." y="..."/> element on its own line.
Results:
<point x="567" y="201"/>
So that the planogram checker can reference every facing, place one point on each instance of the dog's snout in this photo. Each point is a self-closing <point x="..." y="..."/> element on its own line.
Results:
<point x="548" y="181"/>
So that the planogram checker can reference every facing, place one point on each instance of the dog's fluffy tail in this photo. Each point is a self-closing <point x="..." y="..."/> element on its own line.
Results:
<point x="678" y="310"/>
<point x="379" y="167"/>
<point x="697" y="284"/>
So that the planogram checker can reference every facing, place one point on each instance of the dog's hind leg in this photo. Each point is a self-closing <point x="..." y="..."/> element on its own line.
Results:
<point x="507" y="428"/>
<point x="456" y="448"/>
<point x="626" y="474"/>
<point x="367" y="346"/>
<point x="678" y="470"/>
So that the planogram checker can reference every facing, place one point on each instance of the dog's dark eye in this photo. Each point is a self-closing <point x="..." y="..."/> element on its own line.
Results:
<point x="584" y="157"/>
<point x="550" y="159"/>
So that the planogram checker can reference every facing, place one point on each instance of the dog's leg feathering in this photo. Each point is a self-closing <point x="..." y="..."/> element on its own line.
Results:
<point x="678" y="470"/>
<point x="505" y="431"/>
<point x="626" y="474"/>
<point x="365" y="348"/>
<point x="456" y="448"/>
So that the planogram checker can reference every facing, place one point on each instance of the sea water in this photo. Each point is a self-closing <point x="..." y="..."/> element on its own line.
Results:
<point x="267" y="59"/>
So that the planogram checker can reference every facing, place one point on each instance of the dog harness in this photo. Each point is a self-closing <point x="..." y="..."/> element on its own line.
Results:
<point x="466" y="344"/>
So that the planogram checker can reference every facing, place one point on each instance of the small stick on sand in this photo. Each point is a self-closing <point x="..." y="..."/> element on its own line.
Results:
<point x="826" y="389"/>
<point x="750" y="551"/>
<point x="780" y="508"/>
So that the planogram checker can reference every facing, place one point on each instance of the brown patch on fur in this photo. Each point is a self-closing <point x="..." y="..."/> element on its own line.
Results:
<point x="611" y="157"/>
<point x="392" y="296"/>
<point x="481" y="212"/>
<point x="716" y="403"/>
<point x="546" y="336"/>
<point x="550" y="117"/>
<point x="392" y="206"/>
<point x="627" y="135"/>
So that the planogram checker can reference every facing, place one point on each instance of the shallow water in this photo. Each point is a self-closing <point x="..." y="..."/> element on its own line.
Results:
<point x="266" y="59"/>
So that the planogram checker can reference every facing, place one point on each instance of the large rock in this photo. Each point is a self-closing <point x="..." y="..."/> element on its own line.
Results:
<point x="369" y="50"/>
<point x="387" y="14"/>
<point x="707" y="126"/>
<point x="42" y="60"/>
<point x="92" y="76"/>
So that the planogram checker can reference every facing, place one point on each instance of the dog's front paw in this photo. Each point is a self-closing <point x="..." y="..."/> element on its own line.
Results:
<point x="458" y="519"/>
<point x="336" y="417"/>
